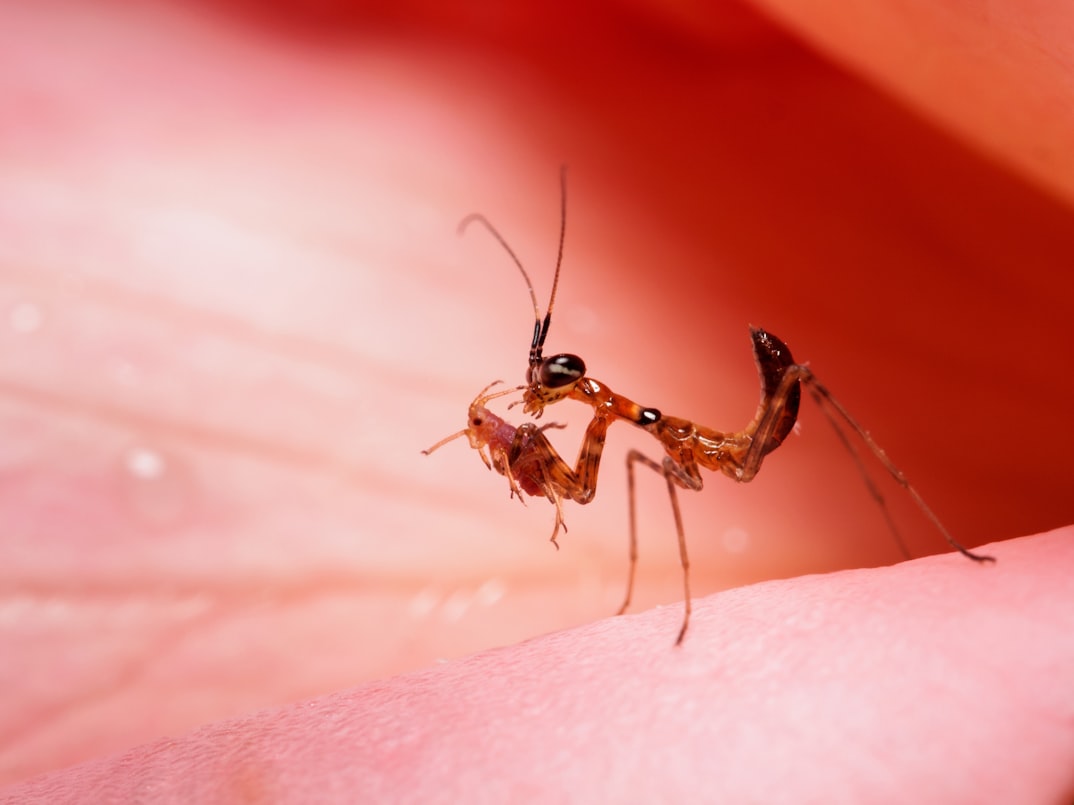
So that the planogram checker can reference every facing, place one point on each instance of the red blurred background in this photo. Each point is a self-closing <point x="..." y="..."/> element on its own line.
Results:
<point x="725" y="170"/>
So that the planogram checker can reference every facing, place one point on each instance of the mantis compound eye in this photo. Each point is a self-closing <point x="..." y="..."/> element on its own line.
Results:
<point x="561" y="370"/>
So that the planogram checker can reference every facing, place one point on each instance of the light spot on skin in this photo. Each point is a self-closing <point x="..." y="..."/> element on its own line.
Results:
<point x="191" y="606"/>
<point x="14" y="609"/>
<point x="124" y="373"/>
<point x="53" y="610"/>
<point x="456" y="605"/>
<point x="584" y="319"/>
<point x="735" y="540"/>
<point x="25" y="318"/>
<point x="422" y="604"/>
<point x="145" y="463"/>
<point x="157" y="488"/>
<point x="490" y="592"/>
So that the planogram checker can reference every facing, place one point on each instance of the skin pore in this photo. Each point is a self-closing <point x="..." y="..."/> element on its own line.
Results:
<point x="237" y="310"/>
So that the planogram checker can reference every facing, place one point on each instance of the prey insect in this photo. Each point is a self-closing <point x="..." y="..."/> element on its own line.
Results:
<point x="527" y="459"/>
<point x="688" y="447"/>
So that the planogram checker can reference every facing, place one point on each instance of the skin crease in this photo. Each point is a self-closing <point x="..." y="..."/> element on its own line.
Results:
<point x="237" y="308"/>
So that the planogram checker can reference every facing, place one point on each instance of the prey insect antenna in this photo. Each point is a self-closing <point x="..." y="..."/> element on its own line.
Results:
<point x="482" y="398"/>
<point x="443" y="441"/>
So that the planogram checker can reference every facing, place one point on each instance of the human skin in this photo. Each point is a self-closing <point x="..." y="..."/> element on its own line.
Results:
<point x="238" y="311"/>
<point x="860" y="686"/>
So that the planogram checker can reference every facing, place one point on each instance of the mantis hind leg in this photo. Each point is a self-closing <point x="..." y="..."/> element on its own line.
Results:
<point x="771" y="426"/>
<point x="834" y="411"/>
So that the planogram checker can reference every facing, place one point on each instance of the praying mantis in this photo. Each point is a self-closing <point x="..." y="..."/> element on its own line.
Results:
<point x="533" y="466"/>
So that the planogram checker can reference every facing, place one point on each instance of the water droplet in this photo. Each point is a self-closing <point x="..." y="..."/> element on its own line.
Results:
<point x="143" y="462"/>
<point x="155" y="486"/>
<point x="25" y="318"/>
<point x="735" y="540"/>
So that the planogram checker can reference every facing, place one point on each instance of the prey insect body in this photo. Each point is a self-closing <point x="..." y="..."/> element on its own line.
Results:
<point x="688" y="447"/>
<point x="527" y="459"/>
